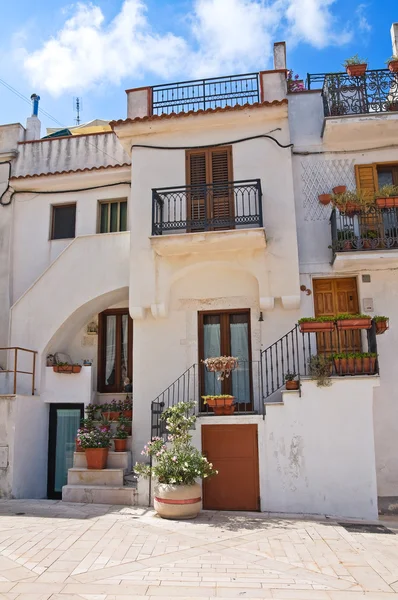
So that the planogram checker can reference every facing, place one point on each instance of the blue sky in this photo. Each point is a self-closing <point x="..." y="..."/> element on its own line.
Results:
<point x="98" y="49"/>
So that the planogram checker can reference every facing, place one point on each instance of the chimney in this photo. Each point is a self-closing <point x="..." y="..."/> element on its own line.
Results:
<point x="33" y="124"/>
<point x="394" y="38"/>
<point x="280" y="55"/>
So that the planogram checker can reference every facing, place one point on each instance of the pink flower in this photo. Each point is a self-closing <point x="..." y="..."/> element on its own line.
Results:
<point x="174" y="459"/>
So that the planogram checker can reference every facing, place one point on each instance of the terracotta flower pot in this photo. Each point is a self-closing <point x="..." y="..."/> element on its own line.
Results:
<point x="63" y="368"/>
<point x="114" y="415"/>
<point x="347" y="324"/>
<point x="222" y="406"/>
<point x="177" y="501"/>
<point x="314" y="327"/>
<point x="325" y="199"/>
<point x="393" y="66"/>
<point x="355" y="366"/>
<point x="356" y="70"/>
<point x="347" y="245"/>
<point x="381" y="326"/>
<point x="120" y="445"/>
<point x="128" y="414"/>
<point x="219" y="411"/>
<point x="339" y="189"/>
<point x="292" y="385"/>
<point x="390" y="202"/>
<point x="96" y="458"/>
<point x="76" y="369"/>
<point x="78" y="446"/>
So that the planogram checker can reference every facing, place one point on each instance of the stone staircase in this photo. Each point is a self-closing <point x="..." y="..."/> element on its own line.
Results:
<point x="102" y="486"/>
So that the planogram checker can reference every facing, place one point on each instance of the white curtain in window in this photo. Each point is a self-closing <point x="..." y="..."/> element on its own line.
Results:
<point x="110" y="348"/>
<point x="68" y="422"/>
<point x="240" y="349"/>
<point x="125" y="329"/>
<point x="212" y="347"/>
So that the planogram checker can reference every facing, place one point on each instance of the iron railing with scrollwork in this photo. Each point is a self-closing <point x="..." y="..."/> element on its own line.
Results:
<point x="208" y="207"/>
<point x="373" y="229"/>
<point x="374" y="92"/>
<point x="202" y="94"/>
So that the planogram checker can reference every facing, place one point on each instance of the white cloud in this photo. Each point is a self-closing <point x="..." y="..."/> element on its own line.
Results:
<point x="224" y="36"/>
<point x="363" y="23"/>
<point x="312" y="21"/>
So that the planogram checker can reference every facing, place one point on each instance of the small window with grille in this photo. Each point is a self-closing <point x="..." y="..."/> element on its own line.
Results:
<point x="113" y="216"/>
<point x="63" y="221"/>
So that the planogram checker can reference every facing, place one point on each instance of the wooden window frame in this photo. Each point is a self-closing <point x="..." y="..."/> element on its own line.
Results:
<point x="52" y="219"/>
<point x="225" y="346"/>
<point x="376" y="166"/>
<point x="101" y="387"/>
<point x="109" y="202"/>
<point x="208" y="152"/>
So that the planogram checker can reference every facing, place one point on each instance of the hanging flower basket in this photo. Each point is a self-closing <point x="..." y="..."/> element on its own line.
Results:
<point x="348" y="322"/>
<point x="63" y="368"/>
<point x="313" y="325"/>
<point x="382" y="324"/>
<point x="221" y="405"/>
<point x="221" y="364"/>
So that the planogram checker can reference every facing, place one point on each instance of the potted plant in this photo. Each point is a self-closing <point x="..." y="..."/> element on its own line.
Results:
<point x="91" y="411"/>
<point x="127" y="408"/>
<point x="355" y="363"/>
<point x="382" y="324"/>
<point x="387" y="196"/>
<point x="223" y="404"/>
<point x="320" y="369"/>
<point x="221" y="364"/>
<point x="114" y="410"/>
<point x="392" y="105"/>
<point x="316" y="324"/>
<point x="125" y="424"/>
<point x="339" y="189"/>
<point x="96" y="444"/>
<point x="355" y="66"/>
<point x="63" y="367"/>
<point x="345" y="238"/>
<point x="369" y="237"/>
<point x="346" y="322"/>
<point x="120" y="439"/>
<point x="291" y="383"/>
<point x="392" y="63"/>
<point x="177" y="466"/>
<point x="104" y="422"/>
<point x="325" y="199"/>
<point x="85" y="425"/>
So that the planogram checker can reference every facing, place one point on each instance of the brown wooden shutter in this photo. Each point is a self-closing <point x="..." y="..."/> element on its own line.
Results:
<point x="366" y="178"/>
<point x="223" y="197"/>
<point x="196" y="176"/>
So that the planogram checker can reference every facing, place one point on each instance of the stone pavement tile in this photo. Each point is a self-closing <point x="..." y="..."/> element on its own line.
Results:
<point x="300" y="595"/>
<point x="19" y="574"/>
<point x="369" y="579"/>
<point x="68" y="566"/>
<point x="178" y="591"/>
<point x="6" y="586"/>
<point x="37" y="588"/>
<point x="123" y="588"/>
<point x="334" y="595"/>
<point x="53" y="577"/>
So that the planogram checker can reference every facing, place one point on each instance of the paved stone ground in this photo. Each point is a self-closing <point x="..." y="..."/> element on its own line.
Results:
<point x="55" y="551"/>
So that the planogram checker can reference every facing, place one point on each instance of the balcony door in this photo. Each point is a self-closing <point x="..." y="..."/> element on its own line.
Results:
<point x="115" y="345"/>
<point x="210" y="201"/>
<point x="226" y="333"/>
<point x="333" y="297"/>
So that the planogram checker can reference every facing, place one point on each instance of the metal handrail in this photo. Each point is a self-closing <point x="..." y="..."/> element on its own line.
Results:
<point x="15" y="370"/>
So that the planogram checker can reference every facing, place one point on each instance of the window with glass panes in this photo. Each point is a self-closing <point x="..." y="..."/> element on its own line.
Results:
<point x="113" y="216"/>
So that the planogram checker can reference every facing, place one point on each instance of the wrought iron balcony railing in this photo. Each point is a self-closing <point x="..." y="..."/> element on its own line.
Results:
<point x="374" y="92"/>
<point x="210" y="207"/>
<point x="202" y="94"/>
<point x="375" y="229"/>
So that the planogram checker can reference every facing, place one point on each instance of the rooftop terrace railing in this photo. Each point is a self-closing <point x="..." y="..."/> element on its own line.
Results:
<point x="202" y="94"/>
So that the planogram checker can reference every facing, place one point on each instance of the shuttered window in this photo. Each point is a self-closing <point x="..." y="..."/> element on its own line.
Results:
<point x="373" y="176"/>
<point x="209" y="197"/>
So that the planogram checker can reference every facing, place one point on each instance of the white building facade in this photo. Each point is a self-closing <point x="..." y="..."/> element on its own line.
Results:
<point x="193" y="229"/>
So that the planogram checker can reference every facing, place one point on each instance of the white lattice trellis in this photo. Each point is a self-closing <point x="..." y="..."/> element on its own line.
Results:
<point x="319" y="176"/>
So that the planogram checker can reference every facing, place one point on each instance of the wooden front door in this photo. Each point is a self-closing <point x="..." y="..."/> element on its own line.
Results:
<point x="226" y="333"/>
<point x="332" y="297"/>
<point x="233" y="450"/>
<point x="210" y="200"/>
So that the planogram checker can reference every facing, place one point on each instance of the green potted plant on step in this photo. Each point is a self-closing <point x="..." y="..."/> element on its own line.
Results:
<point x="291" y="381"/>
<point x="95" y="443"/>
<point x="177" y="466"/>
<point x="120" y="439"/>
<point x="223" y="404"/>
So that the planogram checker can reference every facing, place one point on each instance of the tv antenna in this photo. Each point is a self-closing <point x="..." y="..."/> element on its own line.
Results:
<point x="77" y="107"/>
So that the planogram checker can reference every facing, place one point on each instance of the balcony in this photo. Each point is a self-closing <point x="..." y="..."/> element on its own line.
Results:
<point x="221" y="215"/>
<point x="202" y="94"/>
<point x="366" y="238"/>
<point x="349" y="101"/>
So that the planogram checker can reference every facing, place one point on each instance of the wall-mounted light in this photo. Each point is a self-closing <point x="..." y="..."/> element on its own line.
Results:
<point x="261" y="318"/>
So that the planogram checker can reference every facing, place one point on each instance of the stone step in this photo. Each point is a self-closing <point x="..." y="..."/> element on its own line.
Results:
<point x="126" y="496"/>
<point x="116" y="460"/>
<point x="93" y="477"/>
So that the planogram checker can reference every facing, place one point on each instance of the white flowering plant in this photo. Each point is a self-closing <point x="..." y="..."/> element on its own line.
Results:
<point x="177" y="461"/>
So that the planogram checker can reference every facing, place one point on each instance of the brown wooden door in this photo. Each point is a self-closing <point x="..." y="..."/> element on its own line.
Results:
<point x="331" y="297"/>
<point x="233" y="450"/>
<point x="210" y="202"/>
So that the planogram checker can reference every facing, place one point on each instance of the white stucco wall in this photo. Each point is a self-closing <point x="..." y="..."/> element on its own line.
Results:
<point x="67" y="388"/>
<point x="316" y="452"/>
